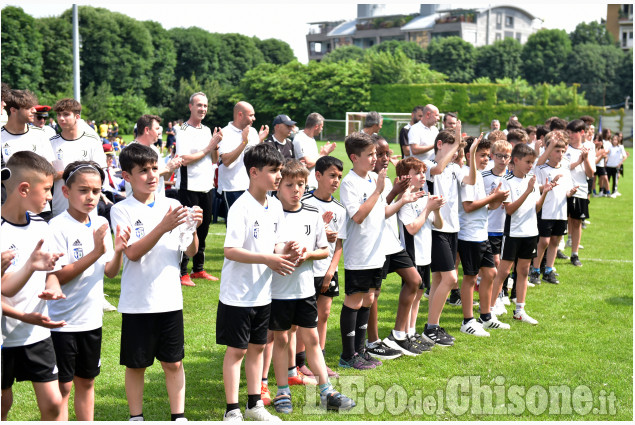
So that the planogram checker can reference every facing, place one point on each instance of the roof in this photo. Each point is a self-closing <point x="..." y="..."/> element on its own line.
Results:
<point x="345" y="28"/>
<point x="421" y="22"/>
<point x="508" y="6"/>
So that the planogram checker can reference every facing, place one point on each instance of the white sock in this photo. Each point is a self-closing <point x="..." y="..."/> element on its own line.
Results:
<point x="574" y="253"/>
<point x="519" y="307"/>
<point x="412" y="331"/>
<point x="372" y="344"/>
<point x="399" y="335"/>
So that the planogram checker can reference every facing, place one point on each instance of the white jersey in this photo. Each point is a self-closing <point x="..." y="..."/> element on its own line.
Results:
<point x="49" y="131"/>
<point x="363" y="248"/>
<point x="306" y="227"/>
<point x="86" y="147"/>
<point x="555" y="205"/>
<point x="422" y="135"/>
<point x="591" y="147"/>
<point x="606" y="145"/>
<point x="82" y="308"/>
<point x="473" y="224"/>
<point x="234" y="177"/>
<point x="390" y="234"/>
<point x="447" y="185"/>
<point x="495" y="218"/>
<point x="196" y="176"/>
<point x="418" y="245"/>
<point x="33" y="140"/>
<point x="337" y="224"/>
<point x="304" y="145"/>
<point x="153" y="283"/>
<point x="256" y="228"/>
<point x="159" y="191"/>
<point x="22" y="239"/>
<point x="578" y="174"/>
<point x="524" y="221"/>
<point x="616" y="153"/>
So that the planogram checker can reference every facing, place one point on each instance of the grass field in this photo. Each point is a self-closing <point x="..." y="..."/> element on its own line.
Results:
<point x="582" y="347"/>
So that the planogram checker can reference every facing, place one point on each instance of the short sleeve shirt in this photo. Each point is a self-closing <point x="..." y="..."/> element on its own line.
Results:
<point x="523" y="222"/>
<point x="304" y="145"/>
<point x="422" y="135"/>
<point x="196" y="176"/>
<point x="495" y="218"/>
<point x="33" y="140"/>
<point x="473" y="224"/>
<point x="233" y="177"/>
<point x="418" y="245"/>
<point x="447" y="184"/>
<point x="555" y="204"/>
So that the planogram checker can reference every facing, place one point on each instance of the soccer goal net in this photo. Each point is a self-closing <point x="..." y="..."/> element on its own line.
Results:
<point x="392" y="124"/>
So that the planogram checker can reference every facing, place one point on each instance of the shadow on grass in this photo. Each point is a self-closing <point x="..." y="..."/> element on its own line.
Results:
<point x="620" y="300"/>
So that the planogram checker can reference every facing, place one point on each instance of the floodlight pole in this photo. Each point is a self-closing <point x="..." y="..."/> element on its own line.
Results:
<point x="76" y="89"/>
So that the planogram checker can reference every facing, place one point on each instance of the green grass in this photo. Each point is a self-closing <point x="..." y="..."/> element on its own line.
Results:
<point x="585" y="338"/>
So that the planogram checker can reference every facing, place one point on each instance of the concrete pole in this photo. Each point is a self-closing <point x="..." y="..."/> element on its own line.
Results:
<point x="76" y="88"/>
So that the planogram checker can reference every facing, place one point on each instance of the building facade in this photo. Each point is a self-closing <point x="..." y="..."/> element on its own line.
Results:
<point x="619" y="22"/>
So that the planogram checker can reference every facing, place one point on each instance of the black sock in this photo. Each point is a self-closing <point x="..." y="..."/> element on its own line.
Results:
<point x="232" y="406"/>
<point x="467" y="320"/>
<point x="300" y="358"/>
<point x="137" y="416"/>
<point x="348" y="318"/>
<point x="456" y="292"/>
<point x="324" y="352"/>
<point x="175" y="416"/>
<point x="360" y="328"/>
<point x="485" y="317"/>
<point x="252" y="399"/>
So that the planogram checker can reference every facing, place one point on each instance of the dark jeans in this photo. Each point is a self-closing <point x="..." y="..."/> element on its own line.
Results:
<point x="204" y="201"/>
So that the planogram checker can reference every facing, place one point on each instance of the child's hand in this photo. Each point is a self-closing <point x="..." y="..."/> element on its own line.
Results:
<point x="531" y="183"/>
<point x="572" y="191"/>
<point x="281" y="264"/>
<point x="401" y="183"/>
<point x="98" y="239"/>
<point x="292" y="249"/>
<point x="381" y="181"/>
<point x="121" y="238"/>
<point x="584" y="154"/>
<point x="394" y="158"/>
<point x="548" y="186"/>
<point x="40" y="260"/>
<point x="7" y="257"/>
<point x="175" y="163"/>
<point x="500" y="195"/>
<point x="556" y="178"/>
<point x="197" y="215"/>
<point x="173" y="218"/>
<point x="458" y="134"/>
<point x="435" y="202"/>
<point x="52" y="294"/>
<point x="410" y="196"/>
<point x="302" y="258"/>
<point x="331" y="235"/>
<point x="326" y="282"/>
<point x="327" y="217"/>
<point x="475" y="144"/>
<point x="41" y="320"/>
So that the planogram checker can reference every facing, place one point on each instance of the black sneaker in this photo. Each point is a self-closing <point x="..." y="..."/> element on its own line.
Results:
<point x="423" y="340"/>
<point x="405" y="345"/>
<point x="534" y="277"/>
<point x="550" y="278"/>
<point x="382" y="351"/>
<point x="422" y="346"/>
<point x="336" y="401"/>
<point x="447" y="334"/>
<point x="439" y="338"/>
<point x="561" y="255"/>
<point x="454" y="298"/>
<point x="575" y="260"/>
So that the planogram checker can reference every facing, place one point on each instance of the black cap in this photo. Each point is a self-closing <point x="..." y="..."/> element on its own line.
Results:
<point x="283" y="119"/>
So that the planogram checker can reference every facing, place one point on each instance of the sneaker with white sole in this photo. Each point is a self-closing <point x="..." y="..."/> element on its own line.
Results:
<point x="405" y="345"/>
<point x="382" y="351"/>
<point x="524" y="317"/>
<point x="473" y="328"/>
<point x="499" y="308"/>
<point x="259" y="413"/>
<point x="494" y="323"/>
<point x="505" y="300"/>
<point x="437" y="336"/>
<point x="233" y="415"/>
<point x="534" y="277"/>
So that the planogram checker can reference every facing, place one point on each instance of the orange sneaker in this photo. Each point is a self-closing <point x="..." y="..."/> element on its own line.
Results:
<point x="203" y="275"/>
<point x="301" y="379"/>
<point x="187" y="281"/>
<point x="264" y="394"/>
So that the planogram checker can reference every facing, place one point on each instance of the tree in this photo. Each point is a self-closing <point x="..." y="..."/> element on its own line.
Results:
<point x="396" y="68"/>
<point x="275" y="51"/>
<point x="238" y="55"/>
<point x="544" y="56"/>
<point x="344" y="53"/>
<point x="57" y="55"/>
<point x="499" y="60"/>
<point x="196" y="52"/>
<point x="453" y="57"/>
<point x="162" y="82"/>
<point x="411" y="49"/>
<point x="592" y="33"/>
<point x="21" y="50"/>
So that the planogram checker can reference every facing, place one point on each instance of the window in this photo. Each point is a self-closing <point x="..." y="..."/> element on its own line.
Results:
<point x="499" y="20"/>
<point x="509" y="22"/>
<point x="518" y="37"/>
<point x="630" y="35"/>
<point x="509" y="34"/>
<point x="498" y="36"/>
<point x="317" y="47"/>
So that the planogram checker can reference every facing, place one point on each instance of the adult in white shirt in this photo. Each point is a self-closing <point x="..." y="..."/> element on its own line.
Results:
<point x="422" y="134"/>
<point x="373" y="123"/>
<point x="305" y="148"/>
<point x="196" y="147"/>
<point x="238" y="137"/>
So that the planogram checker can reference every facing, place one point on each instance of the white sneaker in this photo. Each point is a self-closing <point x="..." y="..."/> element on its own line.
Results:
<point x="613" y="195"/>
<point x="473" y="328"/>
<point x="616" y="193"/>
<point x="524" y="317"/>
<point x="494" y="323"/>
<point x="499" y="308"/>
<point x="259" y="413"/>
<point x="530" y="285"/>
<point x="233" y="415"/>
<point x="505" y="300"/>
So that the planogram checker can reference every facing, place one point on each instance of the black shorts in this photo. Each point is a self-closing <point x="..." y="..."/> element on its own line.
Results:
<point x="396" y="261"/>
<point x="78" y="354"/>
<point x="334" y="288"/>
<point x="424" y="272"/>
<point x="240" y="326"/>
<point x="547" y="228"/>
<point x="523" y="248"/>
<point x="600" y="171"/>
<point x="361" y="280"/>
<point x="34" y="362"/>
<point x="495" y="241"/>
<point x="444" y="248"/>
<point x="285" y="313"/>
<point x="475" y="255"/>
<point x="147" y="336"/>
<point x="578" y="208"/>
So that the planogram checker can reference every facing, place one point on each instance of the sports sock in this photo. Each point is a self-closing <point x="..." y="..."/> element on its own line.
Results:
<point x="284" y="389"/>
<point x="232" y="406"/>
<point x="293" y="371"/>
<point x="348" y="318"/>
<point x="175" y="416"/>
<point x="360" y="328"/>
<point x="465" y="321"/>
<point x="265" y="381"/>
<point x="412" y="331"/>
<point x="300" y="358"/>
<point x="548" y="270"/>
<point x="252" y="399"/>
<point x="138" y="417"/>
<point x="519" y="307"/>
<point x="399" y="335"/>
<point x="533" y="269"/>
<point x="431" y="326"/>
<point x="326" y="388"/>
<point x="574" y="253"/>
<point x="486" y="317"/>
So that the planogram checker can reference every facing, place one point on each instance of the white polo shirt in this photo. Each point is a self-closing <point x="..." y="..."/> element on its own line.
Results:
<point x="422" y="135"/>
<point x="153" y="283"/>
<point x="447" y="184"/>
<point x="578" y="174"/>
<point x="234" y="177"/>
<point x="256" y="228"/>
<point x="419" y="244"/>
<point x="474" y="224"/>
<point x="306" y="227"/>
<point x="523" y="222"/>
<point x="82" y="308"/>
<point x="197" y="176"/>
<point x="304" y="145"/>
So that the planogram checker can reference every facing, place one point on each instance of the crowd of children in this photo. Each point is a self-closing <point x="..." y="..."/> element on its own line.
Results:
<point x="489" y="203"/>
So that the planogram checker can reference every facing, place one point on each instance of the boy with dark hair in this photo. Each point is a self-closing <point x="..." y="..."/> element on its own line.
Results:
<point x="521" y="229"/>
<point x="516" y="136"/>
<point x="27" y="349"/>
<point x="254" y="248"/>
<point x="151" y="301"/>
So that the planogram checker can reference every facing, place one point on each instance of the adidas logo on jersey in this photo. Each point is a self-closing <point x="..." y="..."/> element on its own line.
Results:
<point x="138" y="229"/>
<point x="256" y="229"/>
<point x="138" y="223"/>
<point x="77" y="243"/>
<point x="15" y="254"/>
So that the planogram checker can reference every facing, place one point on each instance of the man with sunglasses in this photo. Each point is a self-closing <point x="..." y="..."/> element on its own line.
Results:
<point x="41" y="115"/>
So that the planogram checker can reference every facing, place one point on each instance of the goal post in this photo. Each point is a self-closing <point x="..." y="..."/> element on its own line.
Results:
<point x="392" y="124"/>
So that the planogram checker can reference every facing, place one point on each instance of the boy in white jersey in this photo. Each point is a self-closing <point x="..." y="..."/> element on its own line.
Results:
<point x="474" y="247"/>
<point x="552" y="218"/>
<point x="293" y="304"/>
<point x="328" y="173"/>
<point x="27" y="349"/>
<point x="521" y="229"/>
<point x="151" y="301"/>
<point x="415" y="230"/>
<point x="254" y="248"/>
<point x="447" y="177"/>
<point x="87" y="246"/>
<point x="72" y="144"/>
